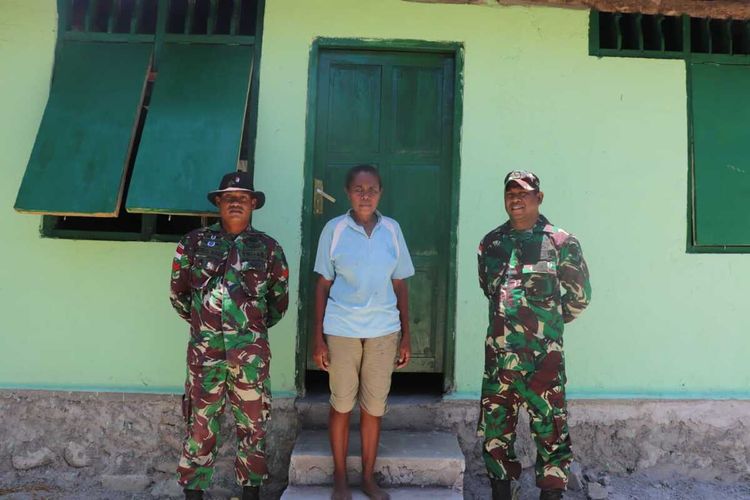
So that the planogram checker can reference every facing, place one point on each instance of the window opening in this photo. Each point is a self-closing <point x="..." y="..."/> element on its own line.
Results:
<point x="139" y="17"/>
<point x="642" y="35"/>
<point x="112" y="16"/>
<point x="212" y="17"/>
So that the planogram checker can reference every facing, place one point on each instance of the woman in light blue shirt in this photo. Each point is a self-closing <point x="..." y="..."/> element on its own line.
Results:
<point x="361" y="328"/>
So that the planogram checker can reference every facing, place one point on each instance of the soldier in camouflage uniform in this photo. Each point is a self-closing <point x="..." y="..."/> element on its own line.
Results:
<point x="229" y="281"/>
<point x="523" y="264"/>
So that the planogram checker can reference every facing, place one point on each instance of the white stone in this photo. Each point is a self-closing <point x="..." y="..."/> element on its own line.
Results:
<point x="132" y="483"/>
<point x="167" y="488"/>
<point x="32" y="459"/>
<point x="575" y="480"/>
<point x="166" y="467"/>
<point x="596" y="491"/>
<point x="75" y="455"/>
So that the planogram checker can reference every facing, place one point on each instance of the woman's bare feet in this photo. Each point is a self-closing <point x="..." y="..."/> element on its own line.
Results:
<point x="341" y="489"/>
<point x="371" y="489"/>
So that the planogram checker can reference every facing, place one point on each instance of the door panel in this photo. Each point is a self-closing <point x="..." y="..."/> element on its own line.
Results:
<point x="417" y="109"/>
<point x="394" y="111"/>
<point x="354" y="105"/>
<point x="406" y="194"/>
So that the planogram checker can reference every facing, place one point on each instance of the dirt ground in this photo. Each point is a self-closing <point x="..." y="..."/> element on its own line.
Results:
<point x="642" y="487"/>
<point x="618" y="487"/>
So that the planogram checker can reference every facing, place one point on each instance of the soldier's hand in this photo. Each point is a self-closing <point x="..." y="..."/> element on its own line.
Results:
<point x="320" y="354"/>
<point x="404" y="353"/>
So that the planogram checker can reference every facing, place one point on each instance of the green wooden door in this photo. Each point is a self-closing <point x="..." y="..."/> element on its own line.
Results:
<point x="394" y="110"/>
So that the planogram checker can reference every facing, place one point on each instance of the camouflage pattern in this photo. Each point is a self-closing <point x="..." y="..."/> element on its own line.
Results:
<point x="522" y="273"/>
<point x="230" y="290"/>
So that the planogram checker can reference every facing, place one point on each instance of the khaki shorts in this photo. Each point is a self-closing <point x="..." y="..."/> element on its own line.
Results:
<point x="360" y="369"/>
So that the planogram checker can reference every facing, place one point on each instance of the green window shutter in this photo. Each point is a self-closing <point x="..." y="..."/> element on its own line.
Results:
<point x="77" y="165"/>
<point x="193" y="128"/>
<point x="720" y="100"/>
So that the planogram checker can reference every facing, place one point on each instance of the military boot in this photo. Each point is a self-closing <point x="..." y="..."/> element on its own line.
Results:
<point x="501" y="489"/>
<point x="250" y="493"/>
<point x="193" y="494"/>
<point x="551" y="495"/>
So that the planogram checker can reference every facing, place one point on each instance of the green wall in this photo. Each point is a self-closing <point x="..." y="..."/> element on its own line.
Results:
<point x="608" y="138"/>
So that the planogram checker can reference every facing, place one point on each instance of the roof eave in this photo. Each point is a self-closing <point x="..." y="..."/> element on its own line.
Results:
<point x="715" y="9"/>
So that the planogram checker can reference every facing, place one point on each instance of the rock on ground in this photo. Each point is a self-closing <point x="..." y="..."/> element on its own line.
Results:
<point x="75" y="455"/>
<point x="595" y="491"/>
<point x="575" y="480"/>
<point x="132" y="483"/>
<point x="167" y="488"/>
<point x="32" y="459"/>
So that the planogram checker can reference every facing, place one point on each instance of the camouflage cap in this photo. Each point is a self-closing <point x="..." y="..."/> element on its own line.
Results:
<point x="238" y="181"/>
<point x="525" y="179"/>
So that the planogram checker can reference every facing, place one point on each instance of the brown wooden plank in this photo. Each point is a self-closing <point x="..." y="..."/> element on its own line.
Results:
<point x="715" y="9"/>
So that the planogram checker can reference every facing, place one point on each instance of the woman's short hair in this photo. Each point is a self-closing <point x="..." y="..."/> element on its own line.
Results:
<point x="362" y="169"/>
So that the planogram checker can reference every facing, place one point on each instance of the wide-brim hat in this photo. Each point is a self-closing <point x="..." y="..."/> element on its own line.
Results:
<point x="238" y="181"/>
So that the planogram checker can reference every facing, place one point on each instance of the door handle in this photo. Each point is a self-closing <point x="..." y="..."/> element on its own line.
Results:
<point x="318" y="196"/>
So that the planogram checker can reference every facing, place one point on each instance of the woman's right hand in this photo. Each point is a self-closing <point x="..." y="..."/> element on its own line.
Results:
<point x="320" y="354"/>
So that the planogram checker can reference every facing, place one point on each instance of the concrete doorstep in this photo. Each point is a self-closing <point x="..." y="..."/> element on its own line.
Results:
<point x="413" y="464"/>
<point x="324" y="493"/>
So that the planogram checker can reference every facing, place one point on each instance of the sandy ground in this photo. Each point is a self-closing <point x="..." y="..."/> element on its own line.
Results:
<point x="632" y="487"/>
<point x="642" y="487"/>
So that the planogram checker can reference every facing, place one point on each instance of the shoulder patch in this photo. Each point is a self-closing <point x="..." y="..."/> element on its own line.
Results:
<point x="559" y="236"/>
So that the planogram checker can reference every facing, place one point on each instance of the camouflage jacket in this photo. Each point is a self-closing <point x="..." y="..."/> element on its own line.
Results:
<point x="521" y="273"/>
<point x="230" y="290"/>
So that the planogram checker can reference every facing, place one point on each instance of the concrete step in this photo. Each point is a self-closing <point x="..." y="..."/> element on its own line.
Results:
<point x="324" y="493"/>
<point x="405" y="458"/>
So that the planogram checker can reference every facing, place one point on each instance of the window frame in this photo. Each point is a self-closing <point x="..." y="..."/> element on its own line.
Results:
<point x="148" y="232"/>
<point x="691" y="245"/>
<point x="688" y="57"/>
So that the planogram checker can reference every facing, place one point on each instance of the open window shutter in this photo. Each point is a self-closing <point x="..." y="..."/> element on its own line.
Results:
<point x="78" y="163"/>
<point x="193" y="129"/>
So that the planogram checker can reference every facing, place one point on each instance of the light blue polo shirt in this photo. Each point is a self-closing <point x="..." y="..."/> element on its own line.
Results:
<point x="361" y="301"/>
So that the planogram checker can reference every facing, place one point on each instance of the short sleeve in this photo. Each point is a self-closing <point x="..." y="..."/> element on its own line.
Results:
<point x="404" y="266"/>
<point x="323" y="262"/>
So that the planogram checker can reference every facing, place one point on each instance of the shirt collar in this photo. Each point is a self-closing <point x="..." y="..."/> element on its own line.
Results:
<point x="539" y="226"/>
<point x="216" y="227"/>
<point x="353" y="224"/>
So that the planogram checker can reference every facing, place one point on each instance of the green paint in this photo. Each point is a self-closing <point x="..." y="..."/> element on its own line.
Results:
<point x="80" y="36"/>
<point x="607" y="137"/>
<point x="76" y="168"/>
<point x="720" y="165"/>
<point x="193" y="130"/>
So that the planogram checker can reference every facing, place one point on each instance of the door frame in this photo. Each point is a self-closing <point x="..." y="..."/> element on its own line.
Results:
<point x="306" y="295"/>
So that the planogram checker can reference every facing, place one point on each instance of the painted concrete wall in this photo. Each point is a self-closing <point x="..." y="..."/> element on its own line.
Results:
<point x="607" y="137"/>
<point x="77" y="314"/>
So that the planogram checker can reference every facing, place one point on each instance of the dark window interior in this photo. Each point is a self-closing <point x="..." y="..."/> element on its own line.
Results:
<point x="664" y="34"/>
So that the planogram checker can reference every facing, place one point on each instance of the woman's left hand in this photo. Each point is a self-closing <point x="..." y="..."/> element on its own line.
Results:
<point x="404" y="353"/>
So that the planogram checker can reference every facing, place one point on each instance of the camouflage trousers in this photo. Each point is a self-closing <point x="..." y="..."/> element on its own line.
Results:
<point x="542" y="394"/>
<point x="206" y="389"/>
